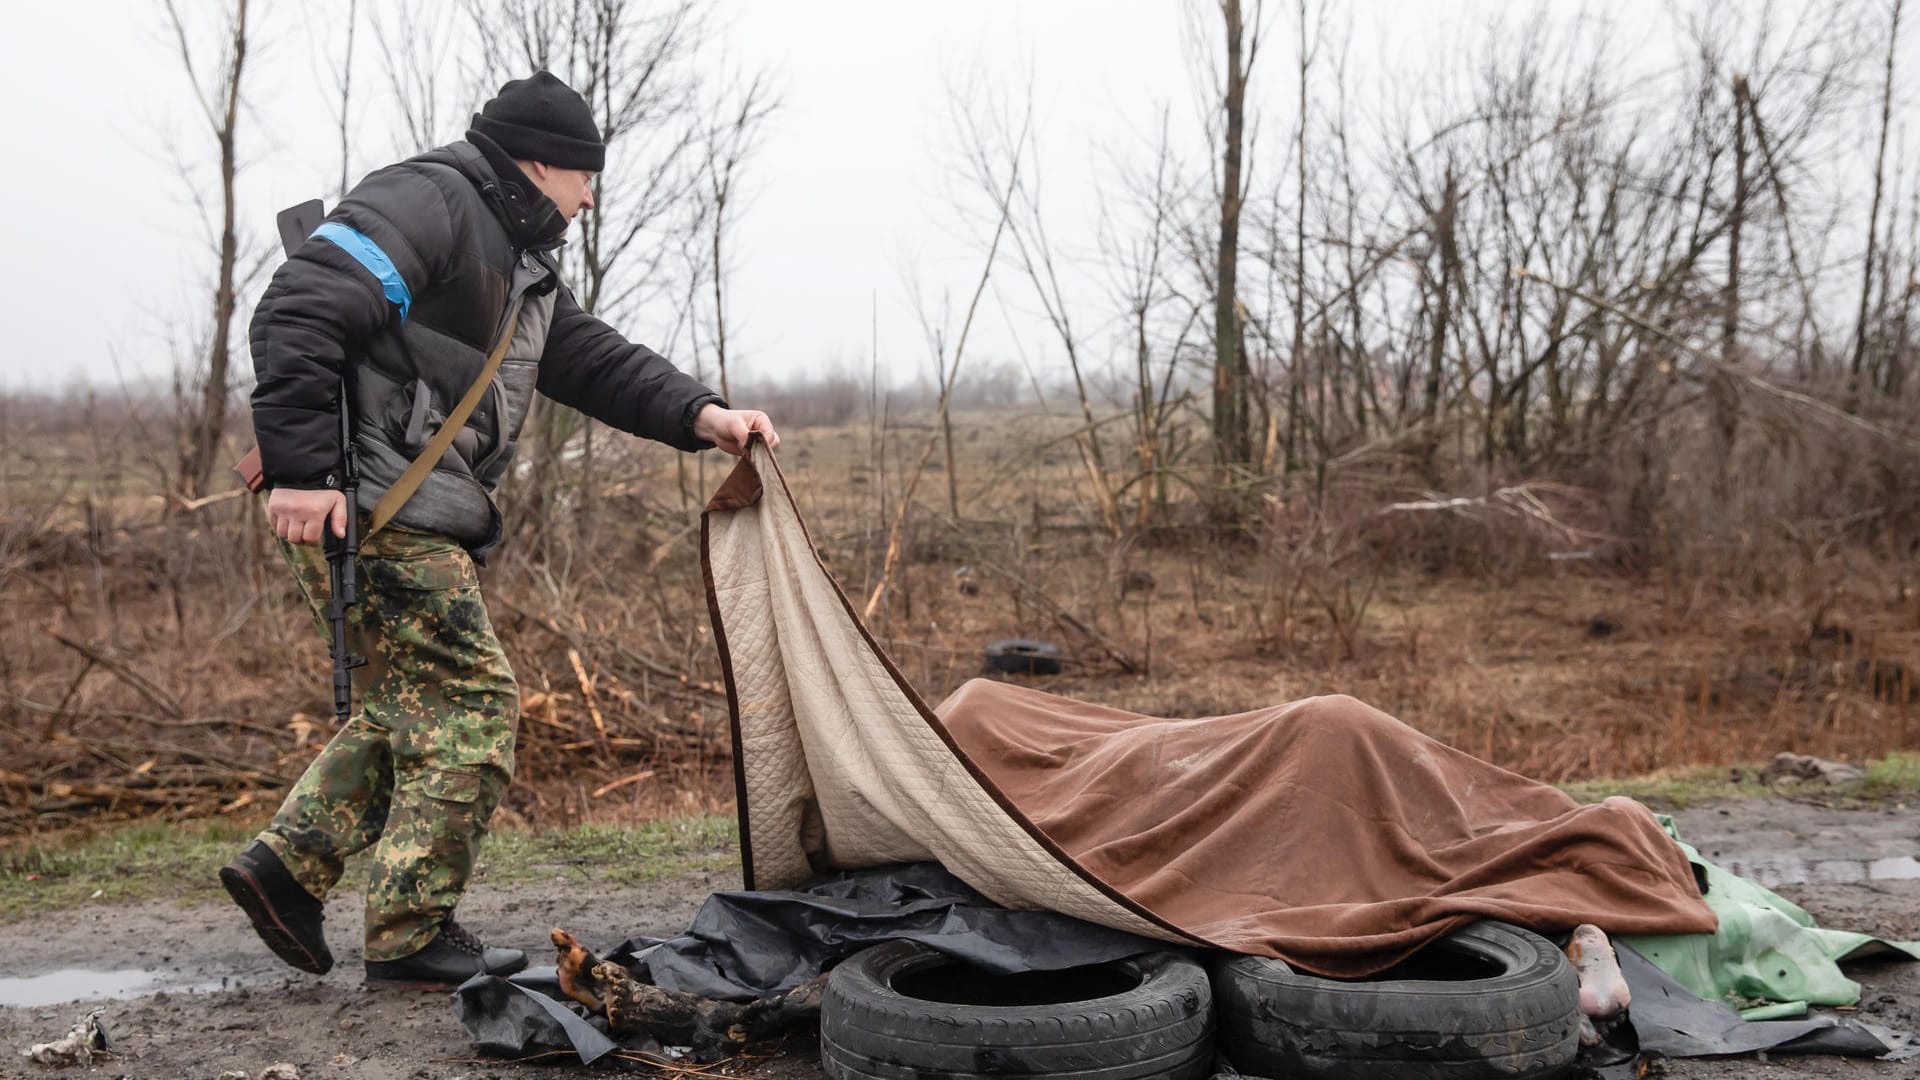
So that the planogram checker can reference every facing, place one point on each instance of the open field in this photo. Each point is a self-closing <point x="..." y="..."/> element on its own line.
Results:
<point x="157" y="665"/>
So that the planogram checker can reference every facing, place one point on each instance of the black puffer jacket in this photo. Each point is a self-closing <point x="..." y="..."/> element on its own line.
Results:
<point x="411" y="280"/>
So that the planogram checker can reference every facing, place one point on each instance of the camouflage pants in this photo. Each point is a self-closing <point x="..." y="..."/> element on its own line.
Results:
<point x="417" y="772"/>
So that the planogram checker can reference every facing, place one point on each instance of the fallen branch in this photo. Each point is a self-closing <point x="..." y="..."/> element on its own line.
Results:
<point x="674" y="1068"/>
<point x="665" y="547"/>
<point x="161" y="700"/>
<point x="643" y="774"/>
<point x="95" y="792"/>
<point x="43" y="709"/>
<point x="142" y="751"/>
<point x="189" y="505"/>
<point x="586" y="694"/>
<point x="1519" y="501"/>
<point x="713" y="1030"/>
<point x="589" y="644"/>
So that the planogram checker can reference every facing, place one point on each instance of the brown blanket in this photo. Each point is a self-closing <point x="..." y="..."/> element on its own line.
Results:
<point x="1322" y="831"/>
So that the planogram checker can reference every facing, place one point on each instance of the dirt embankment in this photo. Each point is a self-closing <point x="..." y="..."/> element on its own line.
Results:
<point x="231" y="1006"/>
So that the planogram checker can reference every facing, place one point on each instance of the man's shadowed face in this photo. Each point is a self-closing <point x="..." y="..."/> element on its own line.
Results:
<point x="570" y="189"/>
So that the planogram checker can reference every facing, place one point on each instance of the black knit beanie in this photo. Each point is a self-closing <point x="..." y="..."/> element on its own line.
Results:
<point x="542" y="119"/>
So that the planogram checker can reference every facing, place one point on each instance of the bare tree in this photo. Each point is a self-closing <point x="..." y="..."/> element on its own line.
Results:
<point x="1726" y="419"/>
<point x="345" y="80"/>
<point x="418" y="40"/>
<point x="1315" y="30"/>
<point x="1138" y="268"/>
<point x="340" y="70"/>
<point x="1004" y="201"/>
<point x="634" y="63"/>
<point x="986" y="133"/>
<point x="1879" y="179"/>
<point x="1231" y="384"/>
<point x="730" y="138"/>
<point x="219" y="99"/>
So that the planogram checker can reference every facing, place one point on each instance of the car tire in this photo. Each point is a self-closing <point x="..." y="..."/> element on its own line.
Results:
<point x="1024" y="656"/>
<point x="903" y="1011"/>
<point x="1490" y="1000"/>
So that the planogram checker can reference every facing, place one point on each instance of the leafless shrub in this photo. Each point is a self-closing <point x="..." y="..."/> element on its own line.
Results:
<point x="204" y="384"/>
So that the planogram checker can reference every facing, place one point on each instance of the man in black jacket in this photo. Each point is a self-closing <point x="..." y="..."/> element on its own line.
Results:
<point x="408" y="287"/>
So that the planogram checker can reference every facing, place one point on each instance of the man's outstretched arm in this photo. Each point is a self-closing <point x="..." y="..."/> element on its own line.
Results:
<point x="730" y="429"/>
<point x="589" y="366"/>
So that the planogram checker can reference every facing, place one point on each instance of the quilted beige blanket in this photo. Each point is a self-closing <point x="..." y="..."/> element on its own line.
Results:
<point x="1321" y="831"/>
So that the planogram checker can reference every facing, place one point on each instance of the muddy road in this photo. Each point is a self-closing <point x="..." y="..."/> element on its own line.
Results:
<point x="198" y="995"/>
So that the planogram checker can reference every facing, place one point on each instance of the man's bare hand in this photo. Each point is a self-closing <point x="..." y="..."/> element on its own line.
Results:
<point x="301" y="517"/>
<point x="729" y="429"/>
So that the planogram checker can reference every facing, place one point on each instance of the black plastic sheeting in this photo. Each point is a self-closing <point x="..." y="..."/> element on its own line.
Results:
<point x="1673" y="1022"/>
<point x="744" y="945"/>
<point x="525" y="1017"/>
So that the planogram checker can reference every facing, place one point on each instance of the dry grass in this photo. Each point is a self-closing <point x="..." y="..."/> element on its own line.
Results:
<point x="204" y="693"/>
<point x="1560" y="669"/>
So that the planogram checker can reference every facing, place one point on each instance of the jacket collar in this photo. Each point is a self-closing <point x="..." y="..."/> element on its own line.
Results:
<point x="531" y="219"/>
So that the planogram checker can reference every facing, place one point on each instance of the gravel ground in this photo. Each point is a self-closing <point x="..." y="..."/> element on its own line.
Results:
<point x="202" y="996"/>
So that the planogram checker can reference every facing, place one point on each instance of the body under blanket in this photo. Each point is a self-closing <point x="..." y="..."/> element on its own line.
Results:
<point x="1322" y="832"/>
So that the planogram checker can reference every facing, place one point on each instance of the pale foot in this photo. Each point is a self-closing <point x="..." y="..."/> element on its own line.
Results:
<point x="1603" y="990"/>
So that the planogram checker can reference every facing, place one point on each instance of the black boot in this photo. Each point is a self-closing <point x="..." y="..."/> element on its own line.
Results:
<point x="451" y="958"/>
<point x="286" y="916"/>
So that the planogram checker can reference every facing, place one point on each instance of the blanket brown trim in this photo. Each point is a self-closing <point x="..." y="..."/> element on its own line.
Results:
<point x="1320" y="831"/>
<point x="733" y="703"/>
<point x="744" y="488"/>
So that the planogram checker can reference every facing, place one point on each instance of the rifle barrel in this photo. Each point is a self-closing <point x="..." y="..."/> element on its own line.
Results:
<point x="343" y="555"/>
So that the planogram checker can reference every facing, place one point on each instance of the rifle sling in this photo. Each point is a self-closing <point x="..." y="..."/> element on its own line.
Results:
<point x="417" y="470"/>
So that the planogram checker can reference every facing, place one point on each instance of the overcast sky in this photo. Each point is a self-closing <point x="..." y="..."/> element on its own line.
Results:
<point x="851" y="193"/>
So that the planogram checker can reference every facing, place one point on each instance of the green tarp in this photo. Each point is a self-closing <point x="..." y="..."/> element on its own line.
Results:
<point x="1767" y="954"/>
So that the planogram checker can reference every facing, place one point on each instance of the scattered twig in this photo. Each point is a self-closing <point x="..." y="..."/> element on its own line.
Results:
<point x="43" y="709"/>
<point x="586" y="694"/>
<point x="187" y="505"/>
<point x="1519" y="501"/>
<point x="238" y="769"/>
<point x="578" y="641"/>
<point x="161" y="700"/>
<point x="673" y="1068"/>
<point x="643" y="774"/>
<point x="665" y="548"/>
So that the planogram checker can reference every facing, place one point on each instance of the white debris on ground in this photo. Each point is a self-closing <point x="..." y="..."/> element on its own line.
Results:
<point x="278" y="1071"/>
<point x="83" y="1045"/>
<point x="1799" y="768"/>
<point x="1603" y="989"/>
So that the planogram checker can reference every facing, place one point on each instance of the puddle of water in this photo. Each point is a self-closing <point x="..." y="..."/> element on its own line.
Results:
<point x="77" y="984"/>
<point x="1771" y="870"/>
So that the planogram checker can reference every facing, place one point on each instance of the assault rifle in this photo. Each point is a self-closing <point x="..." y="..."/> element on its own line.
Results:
<point x="296" y="223"/>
